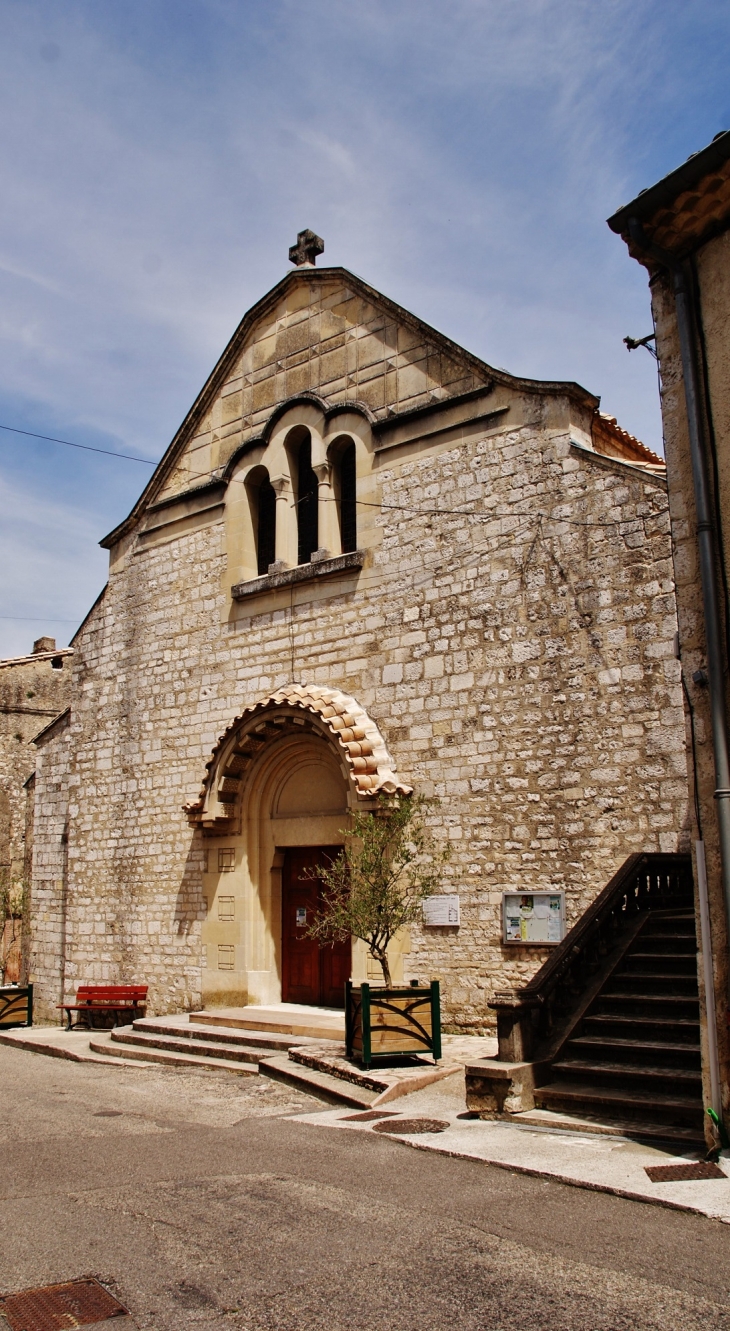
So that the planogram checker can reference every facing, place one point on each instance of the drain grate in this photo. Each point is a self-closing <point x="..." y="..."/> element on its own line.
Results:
<point x="411" y="1125"/>
<point x="60" y="1307"/>
<point x="675" y="1173"/>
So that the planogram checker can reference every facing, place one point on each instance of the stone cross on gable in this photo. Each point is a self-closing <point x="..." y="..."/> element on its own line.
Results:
<point x="308" y="246"/>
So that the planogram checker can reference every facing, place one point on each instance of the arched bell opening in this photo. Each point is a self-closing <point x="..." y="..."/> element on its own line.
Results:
<point x="342" y="456"/>
<point x="262" y="517"/>
<point x="306" y="492"/>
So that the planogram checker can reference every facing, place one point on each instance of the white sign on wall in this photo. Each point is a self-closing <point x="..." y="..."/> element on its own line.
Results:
<point x="440" y="910"/>
<point x="533" y="917"/>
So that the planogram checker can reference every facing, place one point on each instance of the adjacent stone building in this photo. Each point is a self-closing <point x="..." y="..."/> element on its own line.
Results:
<point x="679" y="229"/>
<point x="32" y="689"/>
<point x="368" y="560"/>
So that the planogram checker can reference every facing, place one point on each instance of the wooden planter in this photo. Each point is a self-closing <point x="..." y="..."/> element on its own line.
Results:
<point x="16" y="1005"/>
<point x="385" y="1023"/>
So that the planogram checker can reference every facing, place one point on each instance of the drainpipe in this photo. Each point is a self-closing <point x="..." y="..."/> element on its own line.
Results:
<point x="685" y="297"/>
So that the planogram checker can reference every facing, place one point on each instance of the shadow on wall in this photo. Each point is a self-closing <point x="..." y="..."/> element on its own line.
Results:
<point x="190" y="902"/>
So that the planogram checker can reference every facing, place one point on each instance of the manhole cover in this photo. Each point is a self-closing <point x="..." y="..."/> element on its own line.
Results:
<point x="60" y="1307"/>
<point x="411" y="1125"/>
<point x="675" y="1173"/>
<point x="369" y="1115"/>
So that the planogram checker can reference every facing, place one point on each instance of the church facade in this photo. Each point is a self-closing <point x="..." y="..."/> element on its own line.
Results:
<point x="368" y="561"/>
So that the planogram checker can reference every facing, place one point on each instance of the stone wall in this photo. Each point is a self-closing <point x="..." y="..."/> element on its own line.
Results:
<point x="520" y="665"/>
<point x="33" y="690"/>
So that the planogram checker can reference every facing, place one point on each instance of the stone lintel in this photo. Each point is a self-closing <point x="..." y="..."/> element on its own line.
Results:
<point x="320" y="568"/>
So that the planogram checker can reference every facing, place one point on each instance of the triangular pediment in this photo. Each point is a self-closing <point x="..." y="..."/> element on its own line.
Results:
<point x="323" y="332"/>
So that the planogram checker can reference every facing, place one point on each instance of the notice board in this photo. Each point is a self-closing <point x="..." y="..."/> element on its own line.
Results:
<point x="533" y="917"/>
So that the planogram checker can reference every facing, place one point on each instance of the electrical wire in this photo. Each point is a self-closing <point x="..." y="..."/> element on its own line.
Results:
<point x="362" y="503"/>
<point x="87" y="448"/>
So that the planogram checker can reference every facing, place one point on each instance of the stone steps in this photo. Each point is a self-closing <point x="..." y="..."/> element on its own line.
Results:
<point x="175" y="1042"/>
<point x="179" y="1028"/>
<point x="321" y="1084"/>
<point x="150" y="1054"/>
<point x="603" y="1125"/>
<point x="669" y="1110"/>
<point x="234" y="1053"/>
<point x="281" y="1018"/>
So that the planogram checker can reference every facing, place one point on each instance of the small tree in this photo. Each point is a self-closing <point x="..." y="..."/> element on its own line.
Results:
<point x="375" y="887"/>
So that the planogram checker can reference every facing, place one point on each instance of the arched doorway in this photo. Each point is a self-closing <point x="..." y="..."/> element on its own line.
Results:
<point x="274" y="803"/>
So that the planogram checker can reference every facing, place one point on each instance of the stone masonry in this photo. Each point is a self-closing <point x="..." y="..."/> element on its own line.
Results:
<point x="33" y="689"/>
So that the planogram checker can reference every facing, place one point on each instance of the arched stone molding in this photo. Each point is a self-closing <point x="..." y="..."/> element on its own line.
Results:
<point x="364" y="759"/>
<point x="276" y="452"/>
<point x="284" y="774"/>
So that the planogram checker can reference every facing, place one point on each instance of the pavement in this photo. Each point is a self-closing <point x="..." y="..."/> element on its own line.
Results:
<point x="57" y="1042"/>
<point x="601" y="1163"/>
<point x="208" y="1201"/>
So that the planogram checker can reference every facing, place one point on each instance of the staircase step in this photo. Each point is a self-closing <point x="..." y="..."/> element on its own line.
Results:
<point x="284" y="1018"/>
<point x="201" y="1048"/>
<point x="657" y="983"/>
<point x="679" y="915"/>
<point x="148" y="1055"/>
<point x="651" y="1075"/>
<point x="621" y="1104"/>
<point x="641" y="1004"/>
<point x="271" y="1041"/>
<point x="652" y="1026"/>
<point x="616" y="1048"/>
<point x="654" y="963"/>
<point x="687" y="1138"/>
<point x="321" y="1084"/>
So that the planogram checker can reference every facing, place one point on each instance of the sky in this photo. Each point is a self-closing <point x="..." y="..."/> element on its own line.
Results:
<point x="158" y="157"/>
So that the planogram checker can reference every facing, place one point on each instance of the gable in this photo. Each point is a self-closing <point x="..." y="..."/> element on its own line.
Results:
<point x="320" y="331"/>
<point x="324" y="335"/>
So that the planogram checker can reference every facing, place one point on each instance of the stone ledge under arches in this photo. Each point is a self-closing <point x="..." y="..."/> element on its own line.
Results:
<point x="358" y="741"/>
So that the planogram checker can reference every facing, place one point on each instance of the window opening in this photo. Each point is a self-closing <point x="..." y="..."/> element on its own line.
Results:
<point x="266" y="534"/>
<point x="307" y="497"/>
<point x="348" y="503"/>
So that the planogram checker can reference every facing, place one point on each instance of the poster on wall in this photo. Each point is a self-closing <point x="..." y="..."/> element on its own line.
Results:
<point x="533" y="917"/>
<point x="441" y="910"/>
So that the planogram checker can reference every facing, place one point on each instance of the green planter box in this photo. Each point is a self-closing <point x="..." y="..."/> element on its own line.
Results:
<point x="386" y="1023"/>
<point x="16" y="1005"/>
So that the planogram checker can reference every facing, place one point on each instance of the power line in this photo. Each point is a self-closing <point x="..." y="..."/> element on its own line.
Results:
<point x="40" y="619"/>
<point x="362" y="503"/>
<point x="87" y="448"/>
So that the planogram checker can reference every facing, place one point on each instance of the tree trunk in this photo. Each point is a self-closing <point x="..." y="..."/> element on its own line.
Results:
<point x="382" y="958"/>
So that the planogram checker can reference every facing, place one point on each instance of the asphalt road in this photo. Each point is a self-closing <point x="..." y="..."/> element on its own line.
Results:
<point x="201" y="1204"/>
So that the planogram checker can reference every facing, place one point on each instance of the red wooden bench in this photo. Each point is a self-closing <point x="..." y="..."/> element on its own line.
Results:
<point x="115" y="1000"/>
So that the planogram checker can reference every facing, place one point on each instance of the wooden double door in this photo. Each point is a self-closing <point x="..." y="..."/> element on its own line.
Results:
<point x="311" y="973"/>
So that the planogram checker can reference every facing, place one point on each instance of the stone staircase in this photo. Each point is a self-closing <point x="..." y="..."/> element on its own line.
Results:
<point x="244" y="1045"/>
<point x="633" y="1061"/>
